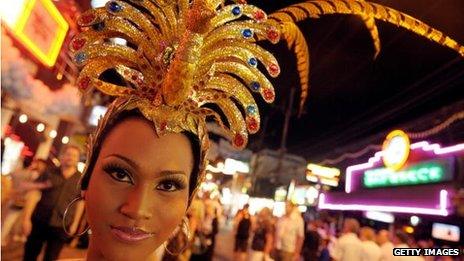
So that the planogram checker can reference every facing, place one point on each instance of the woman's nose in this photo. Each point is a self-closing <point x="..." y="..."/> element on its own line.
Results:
<point x="137" y="203"/>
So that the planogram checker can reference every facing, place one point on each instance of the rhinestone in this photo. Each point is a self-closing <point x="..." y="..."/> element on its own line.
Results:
<point x="252" y="61"/>
<point x="239" y="141"/>
<point x="114" y="7"/>
<point x="236" y="10"/>
<point x="247" y="33"/>
<point x="251" y="109"/>
<point x="255" y="86"/>
<point x="259" y="15"/>
<point x="80" y="57"/>
<point x="78" y="43"/>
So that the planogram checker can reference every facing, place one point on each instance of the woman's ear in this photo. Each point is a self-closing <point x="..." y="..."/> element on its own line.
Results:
<point x="83" y="194"/>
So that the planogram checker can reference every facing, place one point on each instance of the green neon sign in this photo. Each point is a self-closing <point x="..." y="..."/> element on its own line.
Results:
<point x="424" y="173"/>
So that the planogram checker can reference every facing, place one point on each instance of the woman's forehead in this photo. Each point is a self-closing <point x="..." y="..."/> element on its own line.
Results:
<point x="135" y="138"/>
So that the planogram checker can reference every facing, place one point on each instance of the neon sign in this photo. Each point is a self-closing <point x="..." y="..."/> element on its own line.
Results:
<point x="38" y="25"/>
<point x="423" y="146"/>
<point x="424" y="173"/>
<point x="388" y="206"/>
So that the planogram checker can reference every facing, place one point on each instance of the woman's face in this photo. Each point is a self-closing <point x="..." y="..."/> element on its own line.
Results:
<point x="138" y="190"/>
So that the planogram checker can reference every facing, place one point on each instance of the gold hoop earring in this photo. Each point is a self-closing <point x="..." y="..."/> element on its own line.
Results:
<point x="64" y="219"/>
<point x="185" y="229"/>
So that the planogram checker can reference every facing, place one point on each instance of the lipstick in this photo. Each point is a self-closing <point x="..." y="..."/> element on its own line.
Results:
<point x="130" y="234"/>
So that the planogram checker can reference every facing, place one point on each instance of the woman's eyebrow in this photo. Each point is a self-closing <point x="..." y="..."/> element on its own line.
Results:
<point x="172" y="172"/>
<point x="132" y="163"/>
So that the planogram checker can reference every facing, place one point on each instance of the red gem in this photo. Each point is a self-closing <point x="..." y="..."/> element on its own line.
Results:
<point x="84" y="83"/>
<point x="239" y="141"/>
<point x="269" y="95"/>
<point x="87" y="18"/>
<point x="258" y="15"/>
<point x="272" y="34"/>
<point x="274" y="69"/>
<point x="252" y="124"/>
<point x="78" y="43"/>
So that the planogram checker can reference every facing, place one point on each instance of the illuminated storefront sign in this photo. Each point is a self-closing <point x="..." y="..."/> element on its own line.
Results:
<point x="424" y="173"/>
<point x="321" y="174"/>
<point x="426" y="163"/>
<point x="38" y="25"/>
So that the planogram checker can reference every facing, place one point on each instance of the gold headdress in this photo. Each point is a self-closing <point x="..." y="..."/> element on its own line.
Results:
<point x="180" y="56"/>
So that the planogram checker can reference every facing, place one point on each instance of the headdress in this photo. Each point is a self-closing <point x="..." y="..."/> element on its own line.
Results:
<point x="181" y="56"/>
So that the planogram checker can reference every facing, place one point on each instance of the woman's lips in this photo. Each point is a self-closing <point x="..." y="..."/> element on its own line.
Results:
<point x="130" y="234"/>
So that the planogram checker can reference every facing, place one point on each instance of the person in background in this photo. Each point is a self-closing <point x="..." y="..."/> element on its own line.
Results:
<point x="22" y="182"/>
<point x="263" y="237"/>
<point x="370" y="250"/>
<point x="242" y="225"/>
<point x="43" y="212"/>
<point x="311" y="243"/>
<point x="386" y="246"/>
<point x="209" y="228"/>
<point x="348" y="247"/>
<point x="289" y="234"/>
<point x="324" y="253"/>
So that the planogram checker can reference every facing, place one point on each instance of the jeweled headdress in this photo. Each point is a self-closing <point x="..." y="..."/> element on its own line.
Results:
<point x="180" y="56"/>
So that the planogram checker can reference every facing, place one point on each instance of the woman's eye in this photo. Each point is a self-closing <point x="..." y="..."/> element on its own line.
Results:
<point x="168" y="186"/>
<point x="119" y="174"/>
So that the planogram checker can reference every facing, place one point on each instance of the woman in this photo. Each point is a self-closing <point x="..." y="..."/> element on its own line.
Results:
<point x="263" y="238"/>
<point x="147" y="156"/>
<point x="243" y="225"/>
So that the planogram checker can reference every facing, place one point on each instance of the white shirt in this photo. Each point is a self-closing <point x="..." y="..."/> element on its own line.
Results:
<point x="387" y="251"/>
<point x="347" y="248"/>
<point x="371" y="251"/>
<point x="287" y="231"/>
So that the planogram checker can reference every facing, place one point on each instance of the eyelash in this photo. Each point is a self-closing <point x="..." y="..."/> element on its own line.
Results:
<point x="178" y="184"/>
<point x="113" y="169"/>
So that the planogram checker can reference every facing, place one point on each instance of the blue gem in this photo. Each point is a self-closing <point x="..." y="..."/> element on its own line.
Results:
<point x="80" y="57"/>
<point x="114" y="7"/>
<point x="252" y="61"/>
<point x="255" y="86"/>
<point x="251" y="109"/>
<point x="236" y="10"/>
<point x="247" y="33"/>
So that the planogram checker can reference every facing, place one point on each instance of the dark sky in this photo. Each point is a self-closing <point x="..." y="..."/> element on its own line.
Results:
<point x="352" y="96"/>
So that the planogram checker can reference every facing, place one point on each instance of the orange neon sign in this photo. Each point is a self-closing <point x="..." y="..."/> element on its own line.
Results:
<point x="39" y="26"/>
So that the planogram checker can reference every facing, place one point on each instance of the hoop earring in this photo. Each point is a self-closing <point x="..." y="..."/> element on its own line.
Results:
<point x="64" y="219"/>
<point x="185" y="229"/>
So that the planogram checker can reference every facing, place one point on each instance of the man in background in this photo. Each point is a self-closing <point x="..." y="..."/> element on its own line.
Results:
<point x="348" y="247"/>
<point x="44" y="211"/>
<point x="370" y="250"/>
<point x="386" y="246"/>
<point x="289" y="234"/>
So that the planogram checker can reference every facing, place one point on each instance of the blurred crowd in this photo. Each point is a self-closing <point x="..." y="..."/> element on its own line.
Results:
<point x="255" y="236"/>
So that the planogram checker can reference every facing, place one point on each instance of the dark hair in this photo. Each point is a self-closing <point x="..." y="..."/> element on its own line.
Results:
<point x="403" y="237"/>
<point x="193" y="139"/>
